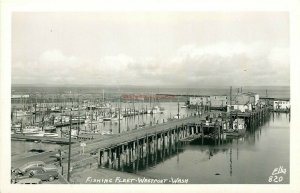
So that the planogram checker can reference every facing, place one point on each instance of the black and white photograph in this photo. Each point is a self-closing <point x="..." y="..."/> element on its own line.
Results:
<point x="149" y="97"/>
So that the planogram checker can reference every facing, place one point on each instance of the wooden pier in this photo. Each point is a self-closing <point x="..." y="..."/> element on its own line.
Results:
<point x="74" y="122"/>
<point x="252" y="118"/>
<point x="20" y="137"/>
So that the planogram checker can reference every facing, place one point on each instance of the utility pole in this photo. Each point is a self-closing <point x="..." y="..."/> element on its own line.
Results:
<point x="198" y="109"/>
<point x="103" y="95"/>
<point x="230" y="99"/>
<point x="69" y="160"/>
<point x="78" y="123"/>
<point x="119" y="113"/>
<point x="178" y="110"/>
<point x="35" y="113"/>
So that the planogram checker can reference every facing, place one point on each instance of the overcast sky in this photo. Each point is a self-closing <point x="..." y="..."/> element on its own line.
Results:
<point x="189" y="49"/>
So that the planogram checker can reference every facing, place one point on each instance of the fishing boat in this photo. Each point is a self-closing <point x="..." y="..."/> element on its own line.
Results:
<point x="106" y="118"/>
<point x="36" y="131"/>
<point x="156" y="110"/>
<point x="89" y="121"/>
<point x="104" y="106"/>
<point x="62" y="119"/>
<point x="91" y="107"/>
<point x="178" y="116"/>
<point x="55" y="109"/>
<point x="31" y="130"/>
<point x="115" y="117"/>
<point x="74" y="108"/>
<point x="16" y="126"/>
<point x="21" y="113"/>
<point x="55" y="135"/>
<point x="239" y="126"/>
<point x="44" y="134"/>
<point x="74" y="133"/>
<point x="106" y="132"/>
<point x="50" y="129"/>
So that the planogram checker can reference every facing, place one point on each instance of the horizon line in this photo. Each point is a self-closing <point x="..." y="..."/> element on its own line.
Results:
<point x="128" y="85"/>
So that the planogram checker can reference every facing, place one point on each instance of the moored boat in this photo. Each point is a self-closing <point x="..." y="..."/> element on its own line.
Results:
<point x="239" y="126"/>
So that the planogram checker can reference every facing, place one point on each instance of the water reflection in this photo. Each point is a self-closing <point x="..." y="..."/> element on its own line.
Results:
<point x="249" y="159"/>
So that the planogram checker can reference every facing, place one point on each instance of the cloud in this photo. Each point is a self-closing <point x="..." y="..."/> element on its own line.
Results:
<point x="56" y="56"/>
<point x="191" y="65"/>
<point x="52" y="66"/>
<point x="220" y="64"/>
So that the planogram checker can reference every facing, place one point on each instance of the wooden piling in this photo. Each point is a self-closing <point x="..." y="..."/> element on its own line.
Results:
<point x="99" y="158"/>
<point x="109" y="157"/>
<point x="138" y="154"/>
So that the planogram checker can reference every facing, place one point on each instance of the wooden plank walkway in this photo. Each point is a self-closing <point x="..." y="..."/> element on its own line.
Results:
<point x="74" y="122"/>
<point x="140" y="133"/>
<point x="41" y="139"/>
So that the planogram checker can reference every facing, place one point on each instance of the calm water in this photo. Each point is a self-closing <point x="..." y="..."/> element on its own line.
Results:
<point x="251" y="159"/>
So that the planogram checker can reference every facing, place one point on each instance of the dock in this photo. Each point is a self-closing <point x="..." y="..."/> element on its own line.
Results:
<point x="74" y="122"/>
<point x="20" y="137"/>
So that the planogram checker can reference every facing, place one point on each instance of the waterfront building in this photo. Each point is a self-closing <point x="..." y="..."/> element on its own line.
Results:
<point x="199" y="101"/>
<point x="244" y="102"/>
<point x="266" y="101"/>
<point x="219" y="101"/>
<point x="245" y="98"/>
<point x="19" y="96"/>
<point x="281" y="105"/>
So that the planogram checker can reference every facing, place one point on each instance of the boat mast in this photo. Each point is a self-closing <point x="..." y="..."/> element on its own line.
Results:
<point x="230" y="97"/>
<point x="103" y="95"/>
<point x="119" y="113"/>
<point x="78" y="127"/>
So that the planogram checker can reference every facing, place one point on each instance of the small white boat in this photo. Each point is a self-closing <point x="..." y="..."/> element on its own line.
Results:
<point x="50" y="135"/>
<point x="106" y="118"/>
<point x="116" y="117"/>
<point x="156" y="110"/>
<point x="106" y="132"/>
<point x="31" y="130"/>
<point x="88" y="121"/>
<point x="74" y="108"/>
<point x="16" y="126"/>
<point x="20" y="113"/>
<point x="55" y="108"/>
<point x="177" y="116"/>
